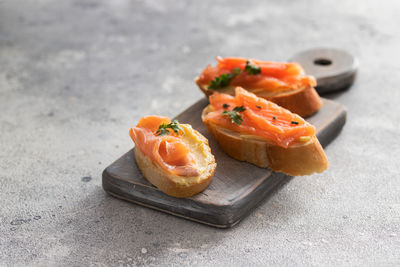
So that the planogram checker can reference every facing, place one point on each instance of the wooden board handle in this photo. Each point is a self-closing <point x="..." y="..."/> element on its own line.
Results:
<point x="334" y="69"/>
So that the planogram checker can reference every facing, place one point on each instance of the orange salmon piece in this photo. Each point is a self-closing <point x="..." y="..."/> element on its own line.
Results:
<point x="274" y="76"/>
<point x="169" y="151"/>
<point x="261" y="118"/>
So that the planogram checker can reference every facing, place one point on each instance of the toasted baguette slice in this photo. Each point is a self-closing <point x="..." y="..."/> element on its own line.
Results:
<point x="298" y="159"/>
<point x="304" y="101"/>
<point x="179" y="186"/>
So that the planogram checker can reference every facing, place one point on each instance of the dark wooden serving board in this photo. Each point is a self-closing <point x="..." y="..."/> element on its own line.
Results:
<point x="237" y="187"/>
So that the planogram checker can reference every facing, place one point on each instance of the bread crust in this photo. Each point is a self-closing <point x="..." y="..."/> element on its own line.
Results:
<point x="296" y="160"/>
<point x="304" y="101"/>
<point x="174" y="185"/>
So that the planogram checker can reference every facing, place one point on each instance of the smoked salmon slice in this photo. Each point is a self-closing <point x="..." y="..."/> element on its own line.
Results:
<point x="248" y="114"/>
<point x="256" y="74"/>
<point x="168" y="150"/>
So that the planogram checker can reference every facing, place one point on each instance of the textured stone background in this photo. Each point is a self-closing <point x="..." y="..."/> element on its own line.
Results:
<point x="76" y="75"/>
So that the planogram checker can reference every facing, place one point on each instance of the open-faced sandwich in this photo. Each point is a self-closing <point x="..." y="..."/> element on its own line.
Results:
<point x="174" y="157"/>
<point x="282" y="83"/>
<point x="253" y="129"/>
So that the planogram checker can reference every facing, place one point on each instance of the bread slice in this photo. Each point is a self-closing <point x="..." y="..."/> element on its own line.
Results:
<point x="302" y="158"/>
<point x="304" y="101"/>
<point x="175" y="185"/>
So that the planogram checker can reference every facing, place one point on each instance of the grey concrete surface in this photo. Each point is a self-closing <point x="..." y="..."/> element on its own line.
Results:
<point x="76" y="75"/>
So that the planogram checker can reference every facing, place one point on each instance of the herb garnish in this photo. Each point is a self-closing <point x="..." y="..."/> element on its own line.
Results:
<point x="173" y="125"/>
<point x="274" y="117"/>
<point x="225" y="105"/>
<point x="259" y="107"/>
<point x="221" y="81"/>
<point x="252" y="69"/>
<point x="295" y="122"/>
<point x="236" y="71"/>
<point x="239" y="109"/>
<point x="234" y="114"/>
<point x="224" y="79"/>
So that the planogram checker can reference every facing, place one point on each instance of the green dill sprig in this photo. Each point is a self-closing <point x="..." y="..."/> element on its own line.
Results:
<point x="234" y="114"/>
<point x="236" y="71"/>
<point x="221" y="81"/>
<point x="173" y="125"/>
<point x="252" y="69"/>
<point x="225" y="79"/>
